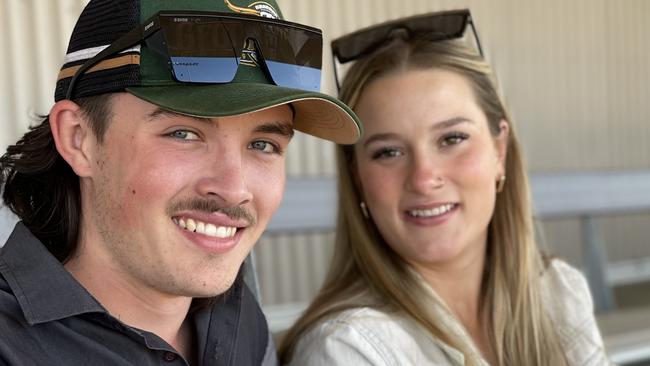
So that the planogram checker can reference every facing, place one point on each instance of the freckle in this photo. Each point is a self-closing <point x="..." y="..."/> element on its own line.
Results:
<point x="133" y="191"/>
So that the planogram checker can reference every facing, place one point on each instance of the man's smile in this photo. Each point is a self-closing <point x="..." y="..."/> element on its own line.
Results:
<point x="208" y="229"/>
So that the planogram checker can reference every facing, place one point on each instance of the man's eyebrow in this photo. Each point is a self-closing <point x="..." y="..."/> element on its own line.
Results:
<point x="279" y="128"/>
<point x="436" y="126"/>
<point x="158" y="112"/>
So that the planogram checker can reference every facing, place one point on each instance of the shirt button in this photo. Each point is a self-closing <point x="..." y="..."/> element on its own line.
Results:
<point x="169" y="356"/>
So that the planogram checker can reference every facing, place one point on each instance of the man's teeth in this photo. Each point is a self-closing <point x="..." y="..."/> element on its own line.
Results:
<point x="436" y="211"/>
<point x="206" y="229"/>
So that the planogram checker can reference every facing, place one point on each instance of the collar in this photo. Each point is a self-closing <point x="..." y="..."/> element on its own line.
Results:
<point x="45" y="290"/>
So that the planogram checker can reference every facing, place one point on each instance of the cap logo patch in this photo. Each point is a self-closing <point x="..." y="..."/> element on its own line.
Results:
<point x="266" y="10"/>
<point x="249" y="54"/>
<point x="259" y="8"/>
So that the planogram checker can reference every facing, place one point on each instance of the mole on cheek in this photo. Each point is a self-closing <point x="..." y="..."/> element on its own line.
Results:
<point x="133" y="191"/>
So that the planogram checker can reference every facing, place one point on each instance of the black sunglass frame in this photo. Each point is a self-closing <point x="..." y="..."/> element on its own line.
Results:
<point x="389" y="29"/>
<point x="140" y="33"/>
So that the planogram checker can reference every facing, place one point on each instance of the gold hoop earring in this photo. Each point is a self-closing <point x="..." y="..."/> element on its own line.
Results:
<point x="364" y="210"/>
<point x="501" y="183"/>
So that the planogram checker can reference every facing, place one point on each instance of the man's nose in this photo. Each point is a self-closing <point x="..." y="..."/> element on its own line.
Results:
<point x="225" y="180"/>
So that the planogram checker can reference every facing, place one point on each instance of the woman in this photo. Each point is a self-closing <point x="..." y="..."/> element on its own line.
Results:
<point x="435" y="259"/>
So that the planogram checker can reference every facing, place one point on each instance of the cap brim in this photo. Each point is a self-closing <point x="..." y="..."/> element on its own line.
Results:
<point x="317" y="114"/>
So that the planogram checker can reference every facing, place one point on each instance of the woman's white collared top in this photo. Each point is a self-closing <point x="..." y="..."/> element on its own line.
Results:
<point x="366" y="336"/>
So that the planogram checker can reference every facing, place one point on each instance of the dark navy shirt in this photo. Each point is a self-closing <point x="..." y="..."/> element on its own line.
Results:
<point x="48" y="318"/>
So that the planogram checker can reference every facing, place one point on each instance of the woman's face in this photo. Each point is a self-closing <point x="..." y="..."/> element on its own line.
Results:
<point x="428" y="165"/>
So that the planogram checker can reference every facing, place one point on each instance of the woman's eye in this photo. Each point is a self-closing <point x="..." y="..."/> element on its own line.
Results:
<point x="454" y="138"/>
<point x="184" y="135"/>
<point x="264" y="146"/>
<point x="386" y="153"/>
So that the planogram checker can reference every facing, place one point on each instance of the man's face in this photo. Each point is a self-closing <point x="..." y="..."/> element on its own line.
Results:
<point x="176" y="202"/>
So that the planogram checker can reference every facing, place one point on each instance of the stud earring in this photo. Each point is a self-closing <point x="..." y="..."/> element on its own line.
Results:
<point x="364" y="209"/>
<point x="501" y="183"/>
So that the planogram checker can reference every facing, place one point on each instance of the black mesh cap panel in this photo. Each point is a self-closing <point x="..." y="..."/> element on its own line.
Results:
<point x="101" y="23"/>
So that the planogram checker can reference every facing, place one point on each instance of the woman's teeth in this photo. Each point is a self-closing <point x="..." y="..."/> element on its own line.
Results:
<point x="206" y="229"/>
<point x="436" y="211"/>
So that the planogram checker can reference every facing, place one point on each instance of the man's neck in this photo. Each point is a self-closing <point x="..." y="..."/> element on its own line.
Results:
<point x="132" y="303"/>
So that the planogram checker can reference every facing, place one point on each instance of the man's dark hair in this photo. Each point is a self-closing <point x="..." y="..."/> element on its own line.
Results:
<point x="39" y="185"/>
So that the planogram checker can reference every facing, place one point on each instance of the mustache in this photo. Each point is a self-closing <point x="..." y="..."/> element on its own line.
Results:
<point x="211" y="206"/>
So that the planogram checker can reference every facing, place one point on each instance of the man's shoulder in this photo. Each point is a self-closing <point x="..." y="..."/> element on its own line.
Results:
<point x="17" y="335"/>
<point x="9" y="306"/>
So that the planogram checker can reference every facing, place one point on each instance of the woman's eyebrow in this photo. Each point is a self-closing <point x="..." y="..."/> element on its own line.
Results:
<point x="441" y="125"/>
<point x="380" y="137"/>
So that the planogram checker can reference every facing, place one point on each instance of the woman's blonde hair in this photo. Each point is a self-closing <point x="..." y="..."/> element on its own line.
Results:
<point x="364" y="267"/>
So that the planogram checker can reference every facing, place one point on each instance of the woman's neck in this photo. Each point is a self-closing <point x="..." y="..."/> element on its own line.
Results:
<point x="459" y="284"/>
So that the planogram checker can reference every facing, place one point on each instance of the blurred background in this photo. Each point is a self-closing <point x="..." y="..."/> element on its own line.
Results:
<point x="575" y="75"/>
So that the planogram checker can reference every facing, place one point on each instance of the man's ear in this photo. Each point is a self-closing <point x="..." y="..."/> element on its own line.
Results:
<point x="501" y="142"/>
<point x="72" y="136"/>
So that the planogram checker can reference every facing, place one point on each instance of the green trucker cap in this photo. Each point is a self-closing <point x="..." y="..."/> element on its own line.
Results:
<point x="147" y="75"/>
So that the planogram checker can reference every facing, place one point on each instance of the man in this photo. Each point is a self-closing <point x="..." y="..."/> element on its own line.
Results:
<point x="151" y="179"/>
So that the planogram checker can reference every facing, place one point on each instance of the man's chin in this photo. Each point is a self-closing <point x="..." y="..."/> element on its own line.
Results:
<point x="210" y="289"/>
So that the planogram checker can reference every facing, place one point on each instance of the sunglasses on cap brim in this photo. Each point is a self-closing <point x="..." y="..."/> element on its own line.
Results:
<point x="206" y="47"/>
<point x="438" y="26"/>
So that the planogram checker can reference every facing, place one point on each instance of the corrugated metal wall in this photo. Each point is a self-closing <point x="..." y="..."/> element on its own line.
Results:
<point x="575" y="74"/>
<point x="33" y="39"/>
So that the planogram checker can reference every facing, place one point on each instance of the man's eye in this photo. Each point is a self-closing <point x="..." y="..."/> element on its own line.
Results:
<point x="184" y="135"/>
<point x="453" y="138"/>
<point x="386" y="153"/>
<point x="264" y="146"/>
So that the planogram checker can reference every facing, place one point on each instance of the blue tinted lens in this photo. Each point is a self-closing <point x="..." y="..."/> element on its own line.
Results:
<point x="294" y="76"/>
<point x="204" y="69"/>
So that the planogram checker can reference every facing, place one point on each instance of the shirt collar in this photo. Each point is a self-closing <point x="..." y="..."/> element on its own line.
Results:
<point x="45" y="290"/>
<point x="220" y="321"/>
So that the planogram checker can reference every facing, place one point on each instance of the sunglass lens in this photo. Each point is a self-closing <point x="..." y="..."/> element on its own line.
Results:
<point x="207" y="50"/>
<point x="293" y="56"/>
<point x="204" y="69"/>
<point x="200" y="49"/>
<point x="294" y="76"/>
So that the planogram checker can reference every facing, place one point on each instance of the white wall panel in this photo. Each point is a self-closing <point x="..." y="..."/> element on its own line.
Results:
<point x="7" y="126"/>
<point x="33" y="42"/>
<point x="291" y="268"/>
<point x="565" y="68"/>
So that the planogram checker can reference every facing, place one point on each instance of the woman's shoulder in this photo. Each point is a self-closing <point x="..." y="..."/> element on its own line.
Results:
<point x="567" y="299"/>
<point x="566" y="287"/>
<point x="361" y="336"/>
